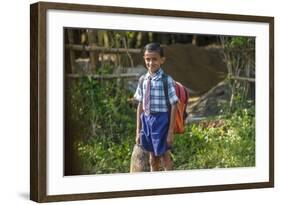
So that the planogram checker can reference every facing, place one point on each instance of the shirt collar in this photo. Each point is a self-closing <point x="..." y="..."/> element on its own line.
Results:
<point x="156" y="75"/>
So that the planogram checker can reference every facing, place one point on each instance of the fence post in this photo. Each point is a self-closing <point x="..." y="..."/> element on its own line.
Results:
<point x="94" y="55"/>
<point x="71" y="52"/>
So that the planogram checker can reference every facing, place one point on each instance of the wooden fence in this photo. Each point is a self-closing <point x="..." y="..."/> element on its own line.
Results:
<point x="94" y="52"/>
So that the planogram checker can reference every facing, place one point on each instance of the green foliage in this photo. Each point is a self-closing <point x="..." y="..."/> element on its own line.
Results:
<point x="240" y="42"/>
<point x="106" y="156"/>
<point x="240" y="100"/>
<point x="102" y="109"/>
<point x="230" y="145"/>
<point x="239" y="56"/>
<point x="105" y="119"/>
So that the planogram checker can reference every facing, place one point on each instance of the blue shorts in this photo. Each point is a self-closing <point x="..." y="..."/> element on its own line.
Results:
<point x="154" y="131"/>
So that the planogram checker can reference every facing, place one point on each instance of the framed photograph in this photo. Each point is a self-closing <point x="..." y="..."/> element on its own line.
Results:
<point x="87" y="64"/>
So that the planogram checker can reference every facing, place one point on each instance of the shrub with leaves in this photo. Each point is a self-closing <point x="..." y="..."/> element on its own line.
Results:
<point x="229" y="145"/>
<point x="102" y="109"/>
<point x="102" y="157"/>
<point x="105" y="120"/>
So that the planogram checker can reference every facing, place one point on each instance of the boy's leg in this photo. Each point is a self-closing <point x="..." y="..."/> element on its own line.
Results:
<point x="154" y="162"/>
<point x="167" y="161"/>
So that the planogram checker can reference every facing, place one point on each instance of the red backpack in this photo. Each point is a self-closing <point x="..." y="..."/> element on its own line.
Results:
<point x="183" y="94"/>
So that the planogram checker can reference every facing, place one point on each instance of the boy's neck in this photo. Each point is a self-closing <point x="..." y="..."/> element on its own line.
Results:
<point x="151" y="73"/>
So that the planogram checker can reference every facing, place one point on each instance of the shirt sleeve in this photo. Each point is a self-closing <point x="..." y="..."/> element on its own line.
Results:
<point x="138" y="93"/>
<point x="173" y="98"/>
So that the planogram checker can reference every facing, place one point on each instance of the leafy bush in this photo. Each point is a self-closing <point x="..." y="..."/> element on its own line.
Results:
<point x="105" y="120"/>
<point x="102" y="157"/>
<point x="104" y="117"/>
<point x="102" y="109"/>
<point x="230" y="145"/>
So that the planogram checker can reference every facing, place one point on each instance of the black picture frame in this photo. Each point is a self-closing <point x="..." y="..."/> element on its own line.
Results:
<point x="39" y="103"/>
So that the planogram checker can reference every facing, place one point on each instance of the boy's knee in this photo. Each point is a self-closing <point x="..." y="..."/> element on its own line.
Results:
<point x="167" y="155"/>
<point x="167" y="161"/>
<point x="154" y="161"/>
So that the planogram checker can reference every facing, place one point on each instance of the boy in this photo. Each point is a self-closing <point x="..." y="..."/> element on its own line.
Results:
<point x="155" y="119"/>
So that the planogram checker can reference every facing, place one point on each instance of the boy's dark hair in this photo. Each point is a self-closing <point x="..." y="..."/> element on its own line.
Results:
<point x="154" y="47"/>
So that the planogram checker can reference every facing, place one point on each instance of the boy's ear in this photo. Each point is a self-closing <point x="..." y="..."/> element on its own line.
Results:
<point x="163" y="59"/>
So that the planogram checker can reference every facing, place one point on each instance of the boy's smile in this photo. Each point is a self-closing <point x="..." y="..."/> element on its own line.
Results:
<point x="153" y="61"/>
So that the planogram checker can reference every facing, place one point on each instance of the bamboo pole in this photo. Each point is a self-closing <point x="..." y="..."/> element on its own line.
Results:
<point x="243" y="78"/>
<point x="105" y="50"/>
<point x="109" y="76"/>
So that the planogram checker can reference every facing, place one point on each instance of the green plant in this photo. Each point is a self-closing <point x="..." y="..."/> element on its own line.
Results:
<point x="102" y="157"/>
<point x="239" y="56"/>
<point x="101" y="109"/>
<point x="104" y="120"/>
<point x="230" y="145"/>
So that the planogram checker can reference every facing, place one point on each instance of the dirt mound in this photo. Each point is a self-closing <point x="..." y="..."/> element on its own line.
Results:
<point x="209" y="103"/>
<point x="198" y="68"/>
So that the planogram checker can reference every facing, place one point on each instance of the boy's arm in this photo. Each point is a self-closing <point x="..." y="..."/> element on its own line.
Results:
<point x="170" y="136"/>
<point x="139" y="111"/>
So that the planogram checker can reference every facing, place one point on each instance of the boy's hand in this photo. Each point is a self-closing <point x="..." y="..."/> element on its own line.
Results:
<point x="170" y="138"/>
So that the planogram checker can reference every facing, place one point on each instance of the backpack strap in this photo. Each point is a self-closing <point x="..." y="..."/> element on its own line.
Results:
<point x="186" y="93"/>
<point x="165" y="84"/>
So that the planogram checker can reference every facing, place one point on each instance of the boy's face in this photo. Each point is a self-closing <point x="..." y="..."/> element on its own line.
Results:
<point x="153" y="61"/>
